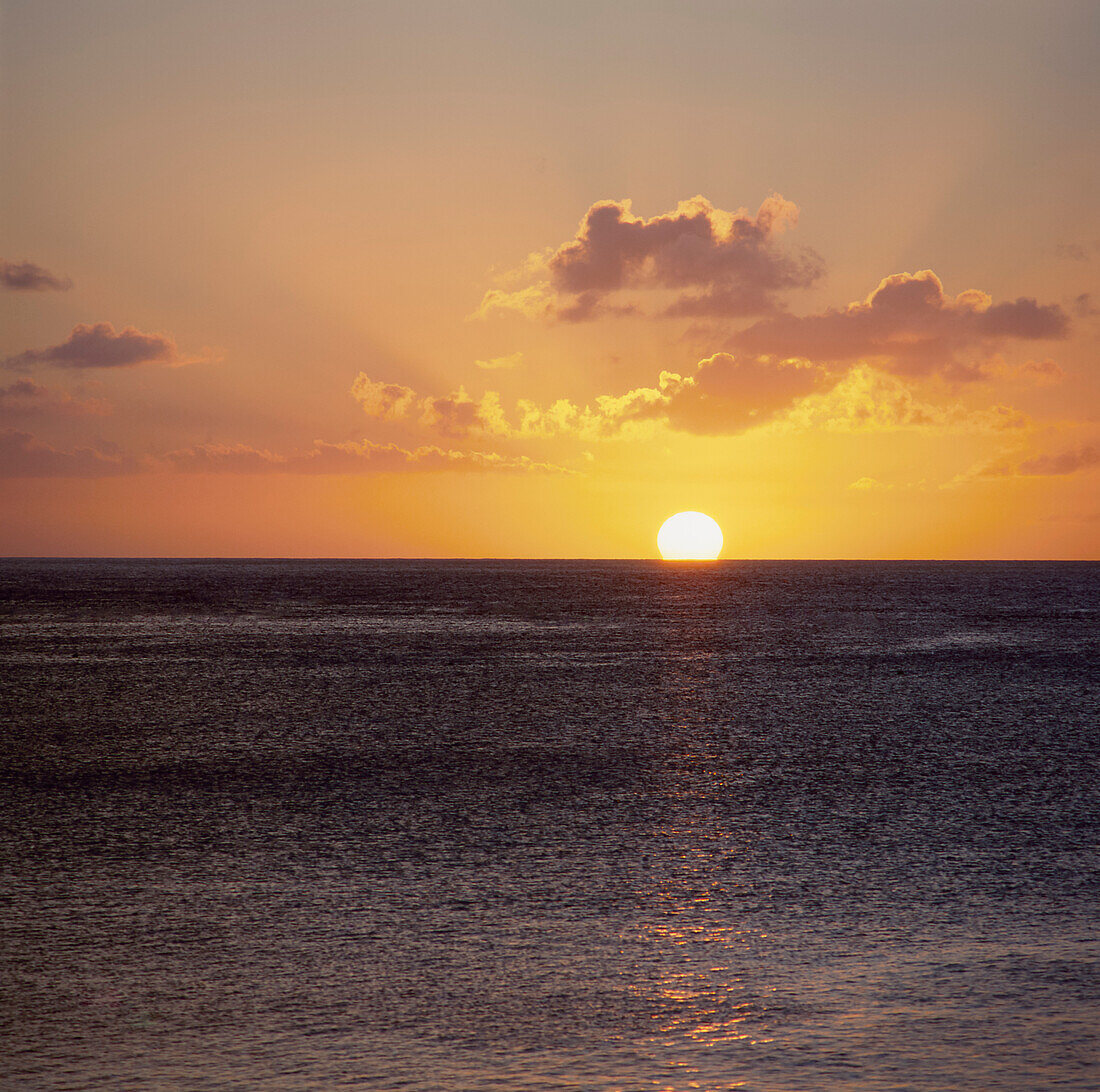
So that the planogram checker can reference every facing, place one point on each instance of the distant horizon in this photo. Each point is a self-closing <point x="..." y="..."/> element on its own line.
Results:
<point x="612" y="560"/>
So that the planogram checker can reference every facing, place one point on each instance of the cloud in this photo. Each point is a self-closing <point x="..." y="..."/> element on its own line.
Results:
<point x="455" y="414"/>
<point x="909" y="326"/>
<point x="24" y="398"/>
<point x="225" y="458"/>
<point x="730" y="394"/>
<point x="1061" y="462"/>
<point x="347" y="458"/>
<point x="100" y="346"/>
<point x="22" y="456"/>
<point x="1070" y="460"/>
<point x="724" y="395"/>
<point x="499" y="363"/>
<point x="28" y="277"/>
<point x="1076" y="252"/>
<point x="1041" y="372"/>
<point x="716" y="262"/>
<point x="868" y="485"/>
<point x="386" y="401"/>
<point x="1084" y="307"/>
<point x="353" y="457"/>
<point x="869" y="400"/>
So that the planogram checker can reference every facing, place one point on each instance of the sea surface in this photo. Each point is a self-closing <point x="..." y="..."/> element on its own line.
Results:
<point x="441" y="826"/>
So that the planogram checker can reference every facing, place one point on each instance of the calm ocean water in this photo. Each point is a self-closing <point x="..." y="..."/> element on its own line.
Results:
<point x="440" y="826"/>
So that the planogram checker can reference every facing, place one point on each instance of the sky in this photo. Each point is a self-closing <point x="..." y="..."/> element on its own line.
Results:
<point x="427" y="279"/>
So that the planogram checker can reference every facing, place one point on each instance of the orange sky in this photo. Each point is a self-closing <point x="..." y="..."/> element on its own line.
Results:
<point x="521" y="280"/>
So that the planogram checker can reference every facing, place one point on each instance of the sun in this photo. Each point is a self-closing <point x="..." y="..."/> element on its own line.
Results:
<point x="689" y="536"/>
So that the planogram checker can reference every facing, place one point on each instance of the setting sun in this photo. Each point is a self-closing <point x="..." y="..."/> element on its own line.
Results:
<point x="689" y="536"/>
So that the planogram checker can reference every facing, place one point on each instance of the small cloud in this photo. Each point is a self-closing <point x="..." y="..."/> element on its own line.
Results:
<point x="28" y="277"/>
<point x="866" y="485"/>
<point x="100" y="346"/>
<point x="500" y="363"/>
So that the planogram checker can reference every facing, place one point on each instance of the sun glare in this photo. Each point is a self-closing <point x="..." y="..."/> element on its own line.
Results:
<point x="689" y="536"/>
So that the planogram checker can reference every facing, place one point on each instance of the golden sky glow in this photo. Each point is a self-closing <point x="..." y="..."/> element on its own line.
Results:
<point x="427" y="279"/>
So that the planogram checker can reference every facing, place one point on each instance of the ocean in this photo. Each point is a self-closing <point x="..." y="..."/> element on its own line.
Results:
<point x="594" y="826"/>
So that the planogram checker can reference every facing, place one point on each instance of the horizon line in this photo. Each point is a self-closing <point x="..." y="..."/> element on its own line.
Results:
<point x="587" y="560"/>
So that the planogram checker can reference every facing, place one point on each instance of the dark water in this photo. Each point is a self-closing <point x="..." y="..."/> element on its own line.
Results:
<point x="442" y="826"/>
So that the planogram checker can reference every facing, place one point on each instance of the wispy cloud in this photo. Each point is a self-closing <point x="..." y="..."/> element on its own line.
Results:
<point x="347" y="458"/>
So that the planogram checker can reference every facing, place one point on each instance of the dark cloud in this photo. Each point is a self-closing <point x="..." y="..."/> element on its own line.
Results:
<point x="100" y="346"/>
<point x="720" y="263"/>
<point x="910" y="326"/>
<point x="28" y="277"/>
<point x="22" y="456"/>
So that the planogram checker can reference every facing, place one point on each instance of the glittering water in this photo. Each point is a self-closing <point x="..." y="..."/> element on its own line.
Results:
<point x="443" y="826"/>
